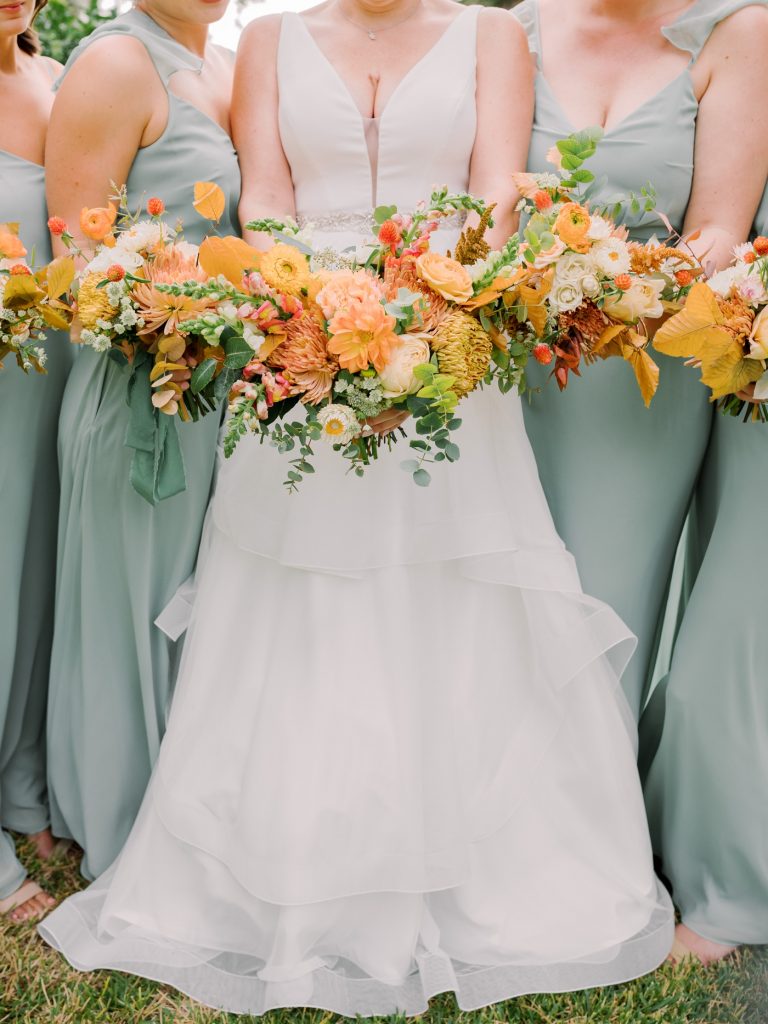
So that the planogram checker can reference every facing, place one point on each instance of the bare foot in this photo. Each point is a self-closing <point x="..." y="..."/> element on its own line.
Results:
<point x="44" y="843"/>
<point x="706" y="951"/>
<point x="34" y="903"/>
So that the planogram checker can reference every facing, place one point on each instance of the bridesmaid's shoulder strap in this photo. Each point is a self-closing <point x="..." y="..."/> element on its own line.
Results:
<point x="166" y="54"/>
<point x="691" y="31"/>
<point x="527" y="13"/>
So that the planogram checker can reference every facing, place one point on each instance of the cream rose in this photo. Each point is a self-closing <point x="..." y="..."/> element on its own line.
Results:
<point x="758" y="339"/>
<point x="573" y="268"/>
<point x="445" y="276"/>
<point x="397" y="377"/>
<point x="643" y="299"/>
<point x="566" y="295"/>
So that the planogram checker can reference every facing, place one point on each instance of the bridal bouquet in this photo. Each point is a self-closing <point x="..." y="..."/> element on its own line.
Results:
<point x="583" y="289"/>
<point x="353" y="335"/>
<point x="723" y="330"/>
<point x="32" y="301"/>
<point x="122" y="312"/>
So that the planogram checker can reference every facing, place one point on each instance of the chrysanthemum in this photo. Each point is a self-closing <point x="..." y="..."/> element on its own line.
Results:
<point x="162" y="311"/>
<point x="93" y="303"/>
<point x="285" y="269"/>
<point x="304" y="356"/>
<point x="464" y="350"/>
<point x="363" y="334"/>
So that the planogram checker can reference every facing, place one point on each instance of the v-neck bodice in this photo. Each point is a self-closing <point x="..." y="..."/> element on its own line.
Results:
<point x="342" y="162"/>
<point x="655" y="142"/>
<point x="193" y="145"/>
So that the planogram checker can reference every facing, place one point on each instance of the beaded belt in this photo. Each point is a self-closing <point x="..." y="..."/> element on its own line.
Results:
<point x="363" y="224"/>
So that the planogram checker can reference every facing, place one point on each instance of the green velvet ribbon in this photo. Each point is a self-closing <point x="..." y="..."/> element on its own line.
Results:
<point x="157" y="467"/>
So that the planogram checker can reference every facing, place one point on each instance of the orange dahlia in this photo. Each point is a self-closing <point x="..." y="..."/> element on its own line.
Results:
<point x="363" y="334"/>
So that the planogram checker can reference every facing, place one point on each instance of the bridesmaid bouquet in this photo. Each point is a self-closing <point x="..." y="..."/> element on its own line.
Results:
<point x="395" y="325"/>
<point x="32" y="302"/>
<point x="124" y="310"/>
<point x="583" y="289"/>
<point x="723" y="330"/>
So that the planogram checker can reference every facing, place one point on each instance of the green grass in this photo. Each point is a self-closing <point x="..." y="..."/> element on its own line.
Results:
<point x="38" y="987"/>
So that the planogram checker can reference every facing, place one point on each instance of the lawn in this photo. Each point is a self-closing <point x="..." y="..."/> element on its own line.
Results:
<point x="38" y="987"/>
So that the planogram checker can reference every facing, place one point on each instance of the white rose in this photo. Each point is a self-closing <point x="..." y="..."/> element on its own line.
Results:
<point x="566" y="296"/>
<point x="611" y="257"/>
<point x="572" y="268"/>
<point x="643" y="299"/>
<point x="599" y="228"/>
<point x="397" y="377"/>
<point x="590" y="286"/>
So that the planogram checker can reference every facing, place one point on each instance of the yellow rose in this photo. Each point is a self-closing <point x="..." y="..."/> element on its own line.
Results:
<point x="445" y="276"/>
<point x="397" y="376"/>
<point x="758" y="339"/>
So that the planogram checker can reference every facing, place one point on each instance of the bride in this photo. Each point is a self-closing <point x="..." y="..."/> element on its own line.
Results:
<point x="398" y="761"/>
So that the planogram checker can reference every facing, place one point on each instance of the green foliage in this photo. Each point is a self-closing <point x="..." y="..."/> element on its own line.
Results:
<point x="63" y="23"/>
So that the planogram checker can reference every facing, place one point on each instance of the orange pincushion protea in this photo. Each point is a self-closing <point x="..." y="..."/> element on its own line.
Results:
<point x="160" y="310"/>
<point x="362" y="334"/>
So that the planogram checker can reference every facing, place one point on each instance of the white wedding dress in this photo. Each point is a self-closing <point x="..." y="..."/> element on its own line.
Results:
<point x="399" y="761"/>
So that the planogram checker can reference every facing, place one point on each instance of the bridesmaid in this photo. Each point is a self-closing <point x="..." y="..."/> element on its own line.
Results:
<point x="144" y="100"/>
<point x="669" y="83"/>
<point x="706" y="786"/>
<point x="29" y="486"/>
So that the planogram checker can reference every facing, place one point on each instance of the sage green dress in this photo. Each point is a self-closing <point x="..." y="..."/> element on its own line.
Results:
<point x="619" y="478"/>
<point x="121" y="559"/>
<point x="706" y="788"/>
<point x="29" y="498"/>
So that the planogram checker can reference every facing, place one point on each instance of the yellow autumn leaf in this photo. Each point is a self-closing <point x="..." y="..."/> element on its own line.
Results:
<point x="21" y="292"/>
<point x="535" y="309"/>
<point x="610" y="334"/>
<point x="729" y="372"/>
<point x="210" y="200"/>
<point x="55" y="319"/>
<point x="230" y="257"/>
<point x="646" y="371"/>
<point x="59" y="276"/>
<point x="695" y="330"/>
<point x="163" y="367"/>
<point x="272" y="341"/>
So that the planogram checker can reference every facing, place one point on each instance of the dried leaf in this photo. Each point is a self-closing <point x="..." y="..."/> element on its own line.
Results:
<point x="610" y="334"/>
<point x="229" y="256"/>
<point x="55" y="320"/>
<point x="21" y="292"/>
<point x="60" y="275"/>
<point x="536" y="310"/>
<point x="729" y="372"/>
<point x="210" y="201"/>
<point x="694" y="331"/>
<point x="646" y="371"/>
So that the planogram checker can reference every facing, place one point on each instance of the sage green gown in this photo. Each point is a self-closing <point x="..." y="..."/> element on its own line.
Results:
<point x="121" y="559"/>
<point x="29" y="497"/>
<point x="619" y="478"/>
<point x="706" y="787"/>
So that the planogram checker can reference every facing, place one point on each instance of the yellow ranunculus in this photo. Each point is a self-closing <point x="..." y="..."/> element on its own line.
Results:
<point x="446" y="276"/>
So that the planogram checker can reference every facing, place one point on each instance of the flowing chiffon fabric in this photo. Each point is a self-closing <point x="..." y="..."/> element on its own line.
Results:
<point x="399" y="761"/>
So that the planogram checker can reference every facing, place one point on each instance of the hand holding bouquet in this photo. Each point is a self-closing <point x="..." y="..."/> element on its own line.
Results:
<point x="723" y="330"/>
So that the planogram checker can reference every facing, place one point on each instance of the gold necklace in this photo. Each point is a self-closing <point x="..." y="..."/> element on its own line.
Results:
<point x="373" y="33"/>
